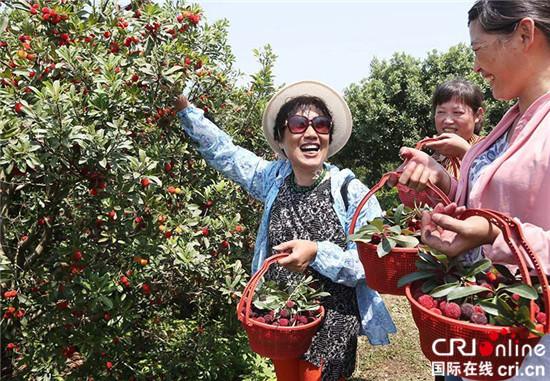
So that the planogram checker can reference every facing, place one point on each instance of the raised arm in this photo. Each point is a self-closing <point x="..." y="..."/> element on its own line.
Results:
<point x="253" y="173"/>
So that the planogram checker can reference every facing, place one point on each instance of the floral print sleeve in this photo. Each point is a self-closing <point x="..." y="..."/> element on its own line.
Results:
<point x="344" y="267"/>
<point x="217" y="148"/>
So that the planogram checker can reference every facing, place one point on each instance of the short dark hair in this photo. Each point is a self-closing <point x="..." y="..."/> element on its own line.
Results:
<point x="503" y="17"/>
<point x="294" y="105"/>
<point x="463" y="91"/>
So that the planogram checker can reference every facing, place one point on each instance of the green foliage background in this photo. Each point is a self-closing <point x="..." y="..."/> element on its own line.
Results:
<point x="391" y="108"/>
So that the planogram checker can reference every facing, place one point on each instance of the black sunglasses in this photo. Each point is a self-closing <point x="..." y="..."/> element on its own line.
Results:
<point x="298" y="124"/>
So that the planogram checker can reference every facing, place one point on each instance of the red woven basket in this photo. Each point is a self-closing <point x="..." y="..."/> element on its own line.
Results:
<point x="382" y="274"/>
<point x="275" y="342"/>
<point x="494" y="344"/>
<point x="410" y="197"/>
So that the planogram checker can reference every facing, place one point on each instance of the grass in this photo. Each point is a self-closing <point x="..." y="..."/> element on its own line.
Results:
<point x="402" y="359"/>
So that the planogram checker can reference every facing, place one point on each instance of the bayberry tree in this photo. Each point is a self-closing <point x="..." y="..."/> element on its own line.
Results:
<point x="122" y="253"/>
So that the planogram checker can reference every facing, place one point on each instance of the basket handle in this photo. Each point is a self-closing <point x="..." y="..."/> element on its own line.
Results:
<point x="253" y="283"/>
<point x="380" y="184"/>
<point x="512" y="232"/>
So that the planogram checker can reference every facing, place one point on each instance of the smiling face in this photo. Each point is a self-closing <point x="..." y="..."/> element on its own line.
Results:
<point x="498" y="60"/>
<point x="308" y="151"/>
<point x="455" y="117"/>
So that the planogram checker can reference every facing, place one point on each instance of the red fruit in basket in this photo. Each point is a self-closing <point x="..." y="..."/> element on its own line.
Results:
<point x="260" y="320"/>
<point x="436" y="311"/>
<point x="541" y="317"/>
<point x="426" y="301"/>
<point x="268" y="319"/>
<point x="290" y="304"/>
<point x="376" y="238"/>
<point x="467" y="311"/>
<point x="537" y="308"/>
<point x="478" y="318"/>
<point x="302" y="319"/>
<point x="283" y="322"/>
<point x="442" y="306"/>
<point x="417" y="295"/>
<point x="515" y="297"/>
<point x="479" y="309"/>
<point x="453" y="311"/>
<point x="284" y="313"/>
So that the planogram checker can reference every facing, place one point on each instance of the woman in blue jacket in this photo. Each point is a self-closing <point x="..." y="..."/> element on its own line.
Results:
<point x="304" y="213"/>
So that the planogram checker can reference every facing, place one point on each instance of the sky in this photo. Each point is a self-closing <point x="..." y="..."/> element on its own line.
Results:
<point x="335" y="41"/>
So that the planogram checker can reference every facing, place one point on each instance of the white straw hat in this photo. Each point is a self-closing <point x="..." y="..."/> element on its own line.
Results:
<point x="341" y="115"/>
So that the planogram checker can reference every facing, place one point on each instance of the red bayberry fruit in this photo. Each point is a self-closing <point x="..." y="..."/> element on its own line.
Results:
<point x="107" y="34"/>
<point x="77" y="256"/>
<point x="145" y="182"/>
<point x="467" y="310"/>
<point x="453" y="311"/>
<point x="290" y="304"/>
<point x="478" y="318"/>
<point x="204" y="231"/>
<point x="146" y="289"/>
<point x="541" y="317"/>
<point x="19" y="107"/>
<point x="283" y="322"/>
<point x="109" y="365"/>
<point x="107" y="316"/>
<point x="426" y="301"/>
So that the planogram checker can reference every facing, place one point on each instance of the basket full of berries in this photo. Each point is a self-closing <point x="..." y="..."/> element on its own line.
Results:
<point x="479" y="319"/>
<point x="412" y="198"/>
<point x="387" y="245"/>
<point x="280" y="320"/>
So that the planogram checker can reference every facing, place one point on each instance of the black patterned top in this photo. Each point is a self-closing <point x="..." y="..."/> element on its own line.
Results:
<point x="311" y="216"/>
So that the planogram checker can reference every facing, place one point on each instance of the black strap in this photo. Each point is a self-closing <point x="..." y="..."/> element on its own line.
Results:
<point x="344" y="191"/>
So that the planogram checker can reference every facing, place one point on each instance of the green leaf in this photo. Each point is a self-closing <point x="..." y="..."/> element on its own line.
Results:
<point x="398" y="214"/>
<point x="105" y="300"/>
<point x="504" y="271"/>
<point x="429" y="285"/>
<point x="417" y="275"/>
<point x="406" y="241"/>
<point x="479" y="266"/>
<point x="385" y="246"/>
<point x="443" y="290"/>
<point x="378" y="223"/>
<point x="523" y="290"/>
<point x="462" y="292"/>
<point x="489" y="307"/>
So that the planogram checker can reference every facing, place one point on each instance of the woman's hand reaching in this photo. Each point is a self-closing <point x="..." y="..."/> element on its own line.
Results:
<point x="450" y="145"/>
<point x="444" y="232"/>
<point x="182" y="103"/>
<point x="303" y="252"/>
<point x="418" y="169"/>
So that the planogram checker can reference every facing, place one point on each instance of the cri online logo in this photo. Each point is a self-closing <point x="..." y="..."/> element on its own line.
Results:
<point x="486" y="348"/>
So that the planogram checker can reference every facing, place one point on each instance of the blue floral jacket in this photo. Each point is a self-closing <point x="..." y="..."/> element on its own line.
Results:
<point x="262" y="179"/>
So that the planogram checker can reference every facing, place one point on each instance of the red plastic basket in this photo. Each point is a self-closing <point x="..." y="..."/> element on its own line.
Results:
<point x="275" y="342"/>
<point x="382" y="274"/>
<point x="410" y="197"/>
<point x="435" y="330"/>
